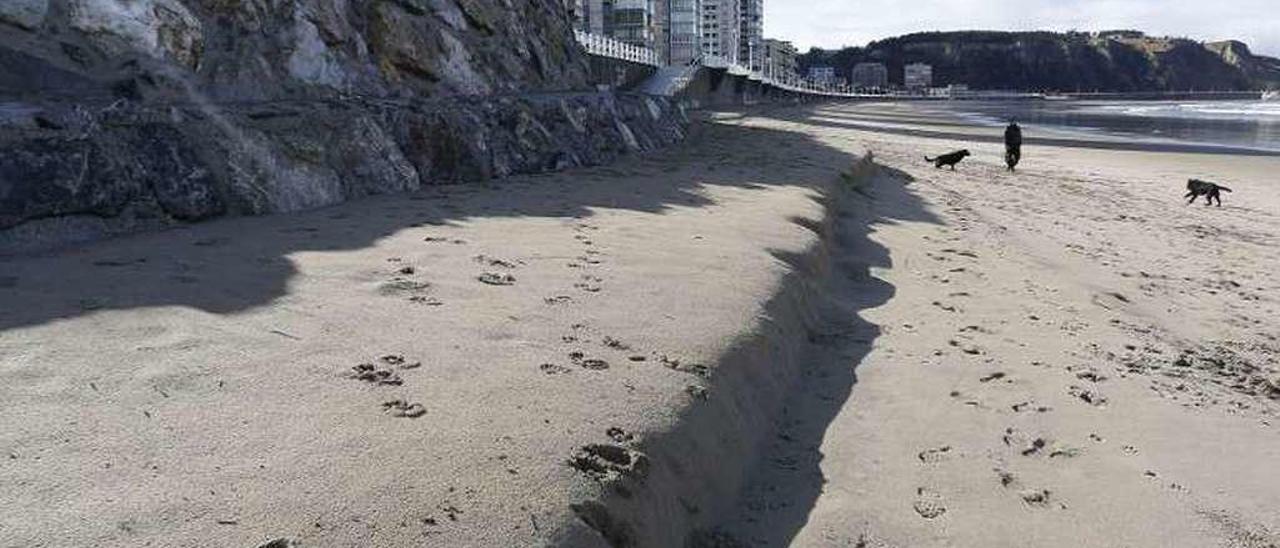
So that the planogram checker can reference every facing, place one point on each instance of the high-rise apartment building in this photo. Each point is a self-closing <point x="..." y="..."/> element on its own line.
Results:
<point x="592" y="15"/>
<point x="632" y="22"/>
<point x="721" y="29"/>
<point x="751" y="36"/>
<point x="683" y="31"/>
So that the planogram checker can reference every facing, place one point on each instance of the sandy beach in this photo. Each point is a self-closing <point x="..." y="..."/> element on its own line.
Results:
<point x="1072" y="356"/>
<point x="756" y="338"/>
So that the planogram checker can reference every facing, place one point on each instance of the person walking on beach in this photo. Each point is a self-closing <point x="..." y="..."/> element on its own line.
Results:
<point x="1012" y="145"/>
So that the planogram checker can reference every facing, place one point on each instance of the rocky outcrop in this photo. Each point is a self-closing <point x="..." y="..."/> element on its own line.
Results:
<point x="72" y="173"/>
<point x="120" y="115"/>
<point x="1126" y="61"/>
<point x="276" y="49"/>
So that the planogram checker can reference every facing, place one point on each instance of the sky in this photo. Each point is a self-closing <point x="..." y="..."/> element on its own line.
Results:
<point x="835" y="23"/>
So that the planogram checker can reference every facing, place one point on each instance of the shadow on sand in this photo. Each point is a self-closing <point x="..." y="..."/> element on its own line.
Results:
<point x="234" y="265"/>
<point x="784" y="486"/>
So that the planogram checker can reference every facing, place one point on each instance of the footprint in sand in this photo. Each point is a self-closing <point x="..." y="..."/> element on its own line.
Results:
<point x="935" y="455"/>
<point x="581" y="360"/>
<point x="370" y="373"/>
<point x="607" y="462"/>
<point x="962" y="253"/>
<point x="495" y="262"/>
<point x="1090" y="397"/>
<point x="400" y="286"/>
<point x="1091" y="376"/>
<point x="590" y="284"/>
<point x="496" y="278"/>
<point x="396" y="360"/>
<point x="993" y="377"/>
<point x="928" y="504"/>
<point x="946" y="307"/>
<point x="553" y="369"/>
<point x="404" y="409"/>
<point x="1036" y="497"/>
<point x="1028" y="406"/>
<point x="615" y="344"/>
<point x="619" y="435"/>
<point x="965" y="347"/>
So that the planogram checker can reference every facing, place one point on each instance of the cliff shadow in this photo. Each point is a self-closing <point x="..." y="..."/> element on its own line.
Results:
<point x="236" y="264"/>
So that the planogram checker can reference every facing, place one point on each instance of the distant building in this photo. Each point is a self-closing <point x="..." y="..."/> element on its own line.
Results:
<point x="721" y="29"/>
<point x="751" y="42"/>
<point x="683" y="33"/>
<point x="822" y="75"/>
<point x="631" y="21"/>
<point x="917" y="76"/>
<point x="780" y="61"/>
<point x="870" y="76"/>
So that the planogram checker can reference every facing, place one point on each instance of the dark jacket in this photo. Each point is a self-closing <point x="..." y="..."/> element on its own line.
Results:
<point x="1013" y="136"/>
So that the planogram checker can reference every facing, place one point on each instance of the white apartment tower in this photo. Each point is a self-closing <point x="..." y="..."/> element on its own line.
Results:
<point x="721" y="29"/>
<point x="682" y="33"/>
<point x="751" y="36"/>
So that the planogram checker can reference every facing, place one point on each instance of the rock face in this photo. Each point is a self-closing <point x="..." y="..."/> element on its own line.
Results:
<point x="71" y="173"/>
<point x="1048" y="61"/>
<point x="119" y="115"/>
<point x="275" y="49"/>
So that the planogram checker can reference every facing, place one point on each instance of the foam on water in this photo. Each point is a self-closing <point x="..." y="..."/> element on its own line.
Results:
<point x="1247" y="124"/>
<point x="1209" y="110"/>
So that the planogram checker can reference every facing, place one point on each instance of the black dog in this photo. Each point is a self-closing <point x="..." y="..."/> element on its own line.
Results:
<point x="1197" y="188"/>
<point x="948" y="159"/>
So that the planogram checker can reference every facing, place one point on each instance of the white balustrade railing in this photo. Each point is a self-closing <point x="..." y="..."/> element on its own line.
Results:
<point x="604" y="46"/>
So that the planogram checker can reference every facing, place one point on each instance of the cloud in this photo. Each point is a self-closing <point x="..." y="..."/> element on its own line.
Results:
<point x="835" y="23"/>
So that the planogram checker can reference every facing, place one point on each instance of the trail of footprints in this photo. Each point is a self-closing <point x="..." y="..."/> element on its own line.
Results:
<point x="996" y="382"/>
<point x="616" y="461"/>
<point x="386" y="372"/>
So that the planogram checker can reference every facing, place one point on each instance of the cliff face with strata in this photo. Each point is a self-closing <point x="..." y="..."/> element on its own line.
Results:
<point x="120" y="115"/>
<point x="1050" y="61"/>
<point x="273" y="49"/>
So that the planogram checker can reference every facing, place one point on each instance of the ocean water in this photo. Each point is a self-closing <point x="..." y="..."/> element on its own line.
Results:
<point x="1244" y="124"/>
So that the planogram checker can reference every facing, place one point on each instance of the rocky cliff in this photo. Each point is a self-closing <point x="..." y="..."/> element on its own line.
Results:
<point x="273" y="49"/>
<point x="1048" y="61"/>
<point x="119" y="115"/>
